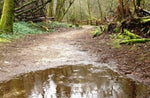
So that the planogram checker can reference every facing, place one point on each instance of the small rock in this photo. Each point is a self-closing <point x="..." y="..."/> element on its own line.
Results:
<point x="6" y="62"/>
<point x="127" y="72"/>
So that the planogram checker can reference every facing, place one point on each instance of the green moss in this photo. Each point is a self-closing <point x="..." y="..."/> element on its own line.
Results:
<point x="116" y="43"/>
<point x="145" y="19"/>
<point x="133" y="41"/>
<point x="4" y="40"/>
<point x="6" y="22"/>
<point x="50" y="9"/>
<point x="116" y="30"/>
<point x="21" y="29"/>
<point x="131" y="35"/>
<point x="97" y="32"/>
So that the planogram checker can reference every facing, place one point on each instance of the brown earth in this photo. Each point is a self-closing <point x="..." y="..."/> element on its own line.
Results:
<point x="72" y="47"/>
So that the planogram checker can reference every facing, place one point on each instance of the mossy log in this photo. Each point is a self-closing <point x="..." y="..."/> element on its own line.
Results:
<point x="136" y="22"/>
<point x="131" y="35"/>
<point x="133" y="41"/>
<point x="139" y="25"/>
<point x="41" y="27"/>
<point x="143" y="19"/>
<point x="30" y="10"/>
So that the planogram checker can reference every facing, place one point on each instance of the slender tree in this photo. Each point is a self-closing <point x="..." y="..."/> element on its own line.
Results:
<point x="62" y="8"/>
<point x="6" y="22"/>
<point x="100" y="8"/>
<point x="50" y="9"/>
<point x="59" y="9"/>
<point x="89" y="10"/>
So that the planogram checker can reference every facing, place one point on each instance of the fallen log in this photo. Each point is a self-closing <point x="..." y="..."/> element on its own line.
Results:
<point x="131" y="35"/>
<point x="33" y="10"/>
<point x="26" y="4"/>
<point x="138" y="25"/>
<point x="133" y="41"/>
<point x="144" y="11"/>
<point x="41" y="27"/>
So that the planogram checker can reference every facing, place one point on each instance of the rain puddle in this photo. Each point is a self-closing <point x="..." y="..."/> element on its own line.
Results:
<point x="81" y="81"/>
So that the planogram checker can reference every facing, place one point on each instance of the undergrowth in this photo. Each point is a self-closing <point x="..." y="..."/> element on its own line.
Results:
<point x="117" y="38"/>
<point x="21" y="29"/>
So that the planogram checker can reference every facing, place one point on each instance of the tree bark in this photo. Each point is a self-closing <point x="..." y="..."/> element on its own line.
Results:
<point x="50" y="9"/>
<point x="26" y="4"/>
<point x="6" y="22"/>
<point x="100" y="9"/>
<point x="67" y="9"/>
<point x="59" y="9"/>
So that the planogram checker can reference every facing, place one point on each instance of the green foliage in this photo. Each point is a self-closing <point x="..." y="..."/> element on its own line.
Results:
<point x="127" y="38"/>
<point x="4" y="40"/>
<point x="22" y="29"/>
<point x="122" y="37"/>
<point x="54" y="24"/>
<point x="118" y="27"/>
<point x="116" y="43"/>
<point x="97" y="32"/>
<point x="117" y="38"/>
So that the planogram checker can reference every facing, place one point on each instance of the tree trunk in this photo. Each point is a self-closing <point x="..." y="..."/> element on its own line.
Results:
<point x="89" y="11"/>
<point x="138" y="2"/>
<point x="67" y="9"/>
<point x="50" y="9"/>
<point x="59" y="9"/>
<point x="6" y="22"/>
<point x="100" y="9"/>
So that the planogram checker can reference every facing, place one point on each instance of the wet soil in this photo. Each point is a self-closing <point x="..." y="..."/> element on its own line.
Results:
<point x="73" y="47"/>
<point x="132" y="60"/>
<point x="73" y="81"/>
<point x="43" y="51"/>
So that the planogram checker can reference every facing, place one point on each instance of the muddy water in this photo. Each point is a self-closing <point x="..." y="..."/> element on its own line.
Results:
<point x="81" y="81"/>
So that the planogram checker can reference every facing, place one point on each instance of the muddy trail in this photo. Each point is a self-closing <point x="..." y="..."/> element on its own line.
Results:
<point x="59" y="65"/>
<point x="42" y="52"/>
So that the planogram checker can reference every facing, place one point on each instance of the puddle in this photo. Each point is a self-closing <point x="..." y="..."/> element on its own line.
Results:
<point x="81" y="81"/>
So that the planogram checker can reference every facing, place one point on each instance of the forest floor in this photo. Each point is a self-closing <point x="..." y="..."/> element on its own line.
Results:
<point x="72" y="47"/>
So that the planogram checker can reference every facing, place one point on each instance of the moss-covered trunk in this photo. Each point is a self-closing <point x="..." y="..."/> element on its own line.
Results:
<point x="50" y="9"/>
<point x="6" y="22"/>
<point x="59" y="10"/>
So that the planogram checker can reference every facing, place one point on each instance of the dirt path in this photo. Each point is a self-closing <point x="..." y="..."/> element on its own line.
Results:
<point x="73" y="47"/>
<point x="45" y="51"/>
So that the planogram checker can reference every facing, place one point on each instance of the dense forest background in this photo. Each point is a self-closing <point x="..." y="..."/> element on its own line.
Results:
<point x="98" y="9"/>
<point x="82" y="10"/>
<point x="116" y="15"/>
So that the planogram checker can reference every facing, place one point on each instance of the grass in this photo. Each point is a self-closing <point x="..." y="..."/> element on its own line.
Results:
<point x="21" y="29"/>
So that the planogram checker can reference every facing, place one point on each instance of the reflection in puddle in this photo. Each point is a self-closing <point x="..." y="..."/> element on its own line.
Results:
<point x="73" y="82"/>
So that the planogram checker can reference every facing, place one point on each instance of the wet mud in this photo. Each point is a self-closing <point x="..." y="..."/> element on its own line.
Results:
<point x="77" y="81"/>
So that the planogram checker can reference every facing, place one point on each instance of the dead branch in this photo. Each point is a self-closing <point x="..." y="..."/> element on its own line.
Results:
<point x="33" y="10"/>
<point x="26" y="4"/>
